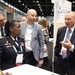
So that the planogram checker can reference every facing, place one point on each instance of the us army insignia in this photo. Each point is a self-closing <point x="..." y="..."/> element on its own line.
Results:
<point x="7" y="43"/>
<point x="1" y="37"/>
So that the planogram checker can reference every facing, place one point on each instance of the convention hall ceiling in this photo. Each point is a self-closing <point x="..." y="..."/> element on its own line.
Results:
<point x="43" y="7"/>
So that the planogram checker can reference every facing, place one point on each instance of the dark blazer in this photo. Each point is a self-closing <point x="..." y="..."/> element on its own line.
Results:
<point x="7" y="52"/>
<point x="51" y="30"/>
<point x="70" y="55"/>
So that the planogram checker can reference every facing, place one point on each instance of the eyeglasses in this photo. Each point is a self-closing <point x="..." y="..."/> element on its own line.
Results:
<point x="1" y="20"/>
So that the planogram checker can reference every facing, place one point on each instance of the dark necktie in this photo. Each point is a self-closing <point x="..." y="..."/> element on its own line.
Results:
<point x="2" y="34"/>
<point x="64" y="52"/>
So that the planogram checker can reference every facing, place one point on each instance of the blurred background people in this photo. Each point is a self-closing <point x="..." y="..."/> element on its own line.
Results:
<point x="50" y="28"/>
<point x="23" y="19"/>
<point x="2" y="23"/>
<point x="12" y="48"/>
<point x="51" y="31"/>
<point x="44" y="23"/>
<point x="34" y="42"/>
<point x="64" y="59"/>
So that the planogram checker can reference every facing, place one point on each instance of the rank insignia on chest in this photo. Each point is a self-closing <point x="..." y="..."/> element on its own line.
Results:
<point x="7" y="43"/>
<point x="1" y="37"/>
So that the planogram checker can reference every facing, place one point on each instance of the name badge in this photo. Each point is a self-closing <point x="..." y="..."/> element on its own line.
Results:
<point x="64" y="50"/>
<point x="19" y="59"/>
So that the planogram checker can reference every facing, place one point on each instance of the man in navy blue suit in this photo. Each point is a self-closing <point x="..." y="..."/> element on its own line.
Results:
<point x="64" y="55"/>
<point x="2" y="23"/>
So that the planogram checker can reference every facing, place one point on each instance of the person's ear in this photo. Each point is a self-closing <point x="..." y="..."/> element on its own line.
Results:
<point x="11" y="29"/>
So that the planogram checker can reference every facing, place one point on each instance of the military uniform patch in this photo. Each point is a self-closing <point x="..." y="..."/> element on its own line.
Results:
<point x="1" y="37"/>
<point x="7" y="43"/>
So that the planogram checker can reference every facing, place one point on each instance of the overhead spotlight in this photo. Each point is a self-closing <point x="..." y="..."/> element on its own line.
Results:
<point x="37" y="1"/>
<point x="73" y="2"/>
<point x="19" y="0"/>
<point x="23" y="4"/>
<point x="34" y="1"/>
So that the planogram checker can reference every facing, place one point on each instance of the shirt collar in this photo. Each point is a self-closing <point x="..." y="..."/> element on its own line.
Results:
<point x="72" y="29"/>
<point x="0" y="28"/>
<point x="14" y="38"/>
<point x="29" y="26"/>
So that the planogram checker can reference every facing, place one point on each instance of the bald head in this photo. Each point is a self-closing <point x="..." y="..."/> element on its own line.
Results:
<point x="2" y="22"/>
<point x="31" y="11"/>
<point x="31" y="16"/>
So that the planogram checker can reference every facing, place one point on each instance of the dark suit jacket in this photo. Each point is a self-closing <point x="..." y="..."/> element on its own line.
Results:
<point x="7" y="52"/>
<point x="50" y="31"/>
<point x="70" y="55"/>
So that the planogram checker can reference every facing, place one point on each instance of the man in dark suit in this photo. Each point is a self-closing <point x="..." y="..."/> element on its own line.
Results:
<point x="64" y="58"/>
<point x="51" y="31"/>
<point x="2" y="23"/>
<point x="12" y="48"/>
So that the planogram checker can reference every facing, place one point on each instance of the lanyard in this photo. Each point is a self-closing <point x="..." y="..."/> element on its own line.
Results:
<point x="16" y="49"/>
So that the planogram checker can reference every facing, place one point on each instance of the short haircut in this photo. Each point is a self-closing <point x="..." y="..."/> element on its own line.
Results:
<point x="8" y="24"/>
<point x="72" y="12"/>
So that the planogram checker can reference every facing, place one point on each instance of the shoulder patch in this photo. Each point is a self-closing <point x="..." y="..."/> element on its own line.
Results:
<point x="1" y="37"/>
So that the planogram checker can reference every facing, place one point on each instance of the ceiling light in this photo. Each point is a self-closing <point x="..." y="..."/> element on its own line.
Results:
<point x="34" y="1"/>
<point x="19" y="1"/>
<point x="37" y="1"/>
<point x="73" y="2"/>
<point x="23" y="4"/>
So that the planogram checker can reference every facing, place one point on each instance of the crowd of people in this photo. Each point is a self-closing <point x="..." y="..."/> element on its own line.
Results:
<point x="28" y="41"/>
<point x="21" y="39"/>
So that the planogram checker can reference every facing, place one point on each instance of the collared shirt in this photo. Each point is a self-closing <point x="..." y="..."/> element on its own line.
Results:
<point x="28" y="37"/>
<point x="0" y="31"/>
<point x="16" y="44"/>
<point x="72" y="29"/>
<point x="14" y="40"/>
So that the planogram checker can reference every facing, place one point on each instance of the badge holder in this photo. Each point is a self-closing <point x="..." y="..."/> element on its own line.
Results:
<point x="19" y="59"/>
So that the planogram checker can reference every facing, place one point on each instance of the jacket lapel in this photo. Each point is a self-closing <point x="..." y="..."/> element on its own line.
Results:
<point x="13" y="43"/>
<point x="72" y="41"/>
<point x="19" y="41"/>
<point x="34" y="32"/>
<point x="73" y="36"/>
<point x="63" y="33"/>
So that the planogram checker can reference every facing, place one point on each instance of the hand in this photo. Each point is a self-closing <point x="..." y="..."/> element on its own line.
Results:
<point x="67" y="45"/>
<point x="40" y="63"/>
<point x="7" y="73"/>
